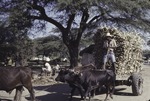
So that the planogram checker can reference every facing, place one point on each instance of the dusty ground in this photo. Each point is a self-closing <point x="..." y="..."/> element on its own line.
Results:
<point x="60" y="92"/>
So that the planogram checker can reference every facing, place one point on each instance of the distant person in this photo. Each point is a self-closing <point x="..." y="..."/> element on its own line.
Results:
<point x="108" y="50"/>
<point x="47" y="69"/>
<point x="55" y="69"/>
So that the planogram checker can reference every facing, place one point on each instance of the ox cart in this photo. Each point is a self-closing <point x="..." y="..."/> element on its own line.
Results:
<point x="128" y="57"/>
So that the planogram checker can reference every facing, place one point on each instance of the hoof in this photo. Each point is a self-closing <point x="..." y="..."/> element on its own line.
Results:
<point x="81" y="98"/>
<point x="111" y="96"/>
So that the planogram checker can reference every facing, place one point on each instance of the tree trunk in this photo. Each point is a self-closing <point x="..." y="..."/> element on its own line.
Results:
<point x="73" y="52"/>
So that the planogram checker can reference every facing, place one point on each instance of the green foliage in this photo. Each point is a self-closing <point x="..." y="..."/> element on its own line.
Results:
<point x="14" y="27"/>
<point x="86" y="41"/>
<point x="132" y="12"/>
<point x="51" y="46"/>
<point x="14" y="43"/>
<point x="6" y="40"/>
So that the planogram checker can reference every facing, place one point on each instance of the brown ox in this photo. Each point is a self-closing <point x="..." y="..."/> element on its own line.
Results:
<point x="67" y="75"/>
<point x="15" y="78"/>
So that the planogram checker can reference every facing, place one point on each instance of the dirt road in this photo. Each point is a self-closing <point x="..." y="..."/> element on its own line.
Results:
<point x="60" y="92"/>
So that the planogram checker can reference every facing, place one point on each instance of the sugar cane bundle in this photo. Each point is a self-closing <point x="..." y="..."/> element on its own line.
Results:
<point x="128" y="52"/>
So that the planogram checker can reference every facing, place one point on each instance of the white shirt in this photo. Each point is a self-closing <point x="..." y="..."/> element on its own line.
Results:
<point x="48" y="67"/>
<point x="110" y="45"/>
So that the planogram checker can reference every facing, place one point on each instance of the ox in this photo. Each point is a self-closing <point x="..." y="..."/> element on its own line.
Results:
<point x="15" y="78"/>
<point x="92" y="79"/>
<point x="69" y="76"/>
<point x="89" y="80"/>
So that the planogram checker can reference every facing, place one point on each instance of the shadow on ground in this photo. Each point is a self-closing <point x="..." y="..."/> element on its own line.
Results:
<point x="56" y="92"/>
<point x="5" y="100"/>
<point x="61" y="92"/>
<point x="119" y="91"/>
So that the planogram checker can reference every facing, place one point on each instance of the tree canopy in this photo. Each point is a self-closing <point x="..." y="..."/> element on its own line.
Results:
<point x="82" y="15"/>
<point x="14" y="40"/>
<point x="51" y="46"/>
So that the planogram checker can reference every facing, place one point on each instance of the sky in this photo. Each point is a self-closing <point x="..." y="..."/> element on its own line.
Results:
<point x="46" y="32"/>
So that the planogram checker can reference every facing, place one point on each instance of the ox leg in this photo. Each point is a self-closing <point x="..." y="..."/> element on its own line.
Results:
<point x="112" y="88"/>
<point x="80" y="88"/>
<point x="111" y="93"/>
<point x="32" y="94"/>
<point x="72" y="92"/>
<point x="31" y="91"/>
<point x="93" y="93"/>
<point x="87" y="93"/>
<point x="81" y="93"/>
<point x="18" y="93"/>
<point x="106" y="93"/>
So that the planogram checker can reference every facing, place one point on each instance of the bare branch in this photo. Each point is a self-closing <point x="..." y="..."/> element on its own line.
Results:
<point x="43" y="16"/>
<point x="94" y="18"/>
<point x="70" y="21"/>
<point x="83" y="24"/>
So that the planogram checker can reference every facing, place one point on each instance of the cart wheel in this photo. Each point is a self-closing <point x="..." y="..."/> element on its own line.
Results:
<point x="137" y="84"/>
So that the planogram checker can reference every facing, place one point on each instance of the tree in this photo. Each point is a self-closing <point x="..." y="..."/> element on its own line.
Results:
<point x="51" y="46"/>
<point x="67" y="15"/>
<point x="15" y="44"/>
<point x="14" y="41"/>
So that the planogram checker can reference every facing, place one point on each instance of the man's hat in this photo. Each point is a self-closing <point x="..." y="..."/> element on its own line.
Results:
<point x="108" y="35"/>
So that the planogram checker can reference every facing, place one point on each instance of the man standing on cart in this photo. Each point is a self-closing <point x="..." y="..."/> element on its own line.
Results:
<point x="109" y="46"/>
